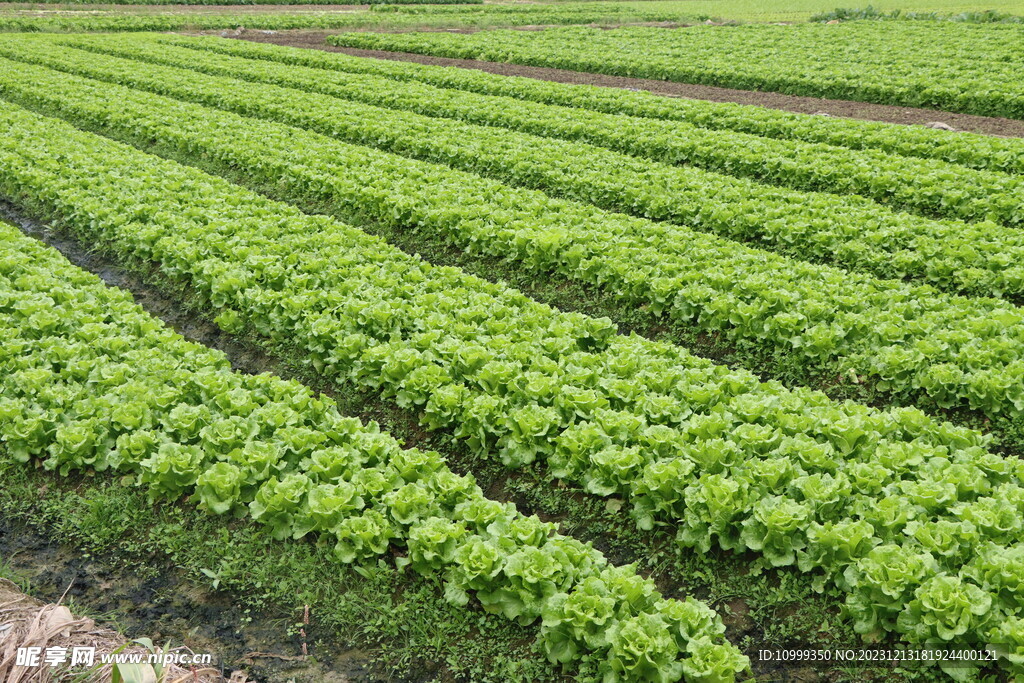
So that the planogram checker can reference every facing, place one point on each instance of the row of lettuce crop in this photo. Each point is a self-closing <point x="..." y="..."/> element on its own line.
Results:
<point x="916" y="520"/>
<point x="954" y="67"/>
<point x="925" y="186"/>
<point x="88" y="380"/>
<point x="983" y="152"/>
<point x="978" y="259"/>
<point x="913" y="340"/>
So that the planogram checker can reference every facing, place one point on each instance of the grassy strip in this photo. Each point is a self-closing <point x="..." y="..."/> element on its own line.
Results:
<point x="402" y="617"/>
<point x="692" y="11"/>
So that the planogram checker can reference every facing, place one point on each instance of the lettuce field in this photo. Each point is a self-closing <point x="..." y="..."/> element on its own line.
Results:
<point x="637" y="388"/>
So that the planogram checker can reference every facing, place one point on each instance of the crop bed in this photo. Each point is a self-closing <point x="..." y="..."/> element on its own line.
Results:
<point x="884" y="255"/>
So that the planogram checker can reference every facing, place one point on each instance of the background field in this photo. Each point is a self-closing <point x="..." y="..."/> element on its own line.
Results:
<point x="37" y="17"/>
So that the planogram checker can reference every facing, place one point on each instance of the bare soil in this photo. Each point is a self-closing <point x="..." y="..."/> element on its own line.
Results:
<point x="805" y="105"/>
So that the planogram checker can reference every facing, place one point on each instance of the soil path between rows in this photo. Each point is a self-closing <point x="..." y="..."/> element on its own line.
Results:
<point x="804" y="105"/>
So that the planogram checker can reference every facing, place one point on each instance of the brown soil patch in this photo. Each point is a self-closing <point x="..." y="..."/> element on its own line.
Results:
<point x="804" y="105"/>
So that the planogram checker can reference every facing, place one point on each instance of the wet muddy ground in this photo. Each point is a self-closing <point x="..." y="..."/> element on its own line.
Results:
<point x="163" y="604"/>
<point x="805" y="105"/>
